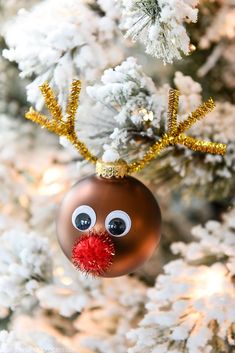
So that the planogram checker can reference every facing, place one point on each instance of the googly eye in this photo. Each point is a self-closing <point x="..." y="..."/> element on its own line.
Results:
<point x="118" y="223"/>
<point x="84" y="218"/>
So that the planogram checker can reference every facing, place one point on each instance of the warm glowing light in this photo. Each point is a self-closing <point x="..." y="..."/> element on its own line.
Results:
<point x="192" y="48"/>
<point x="52" y="181"/>
<point x="66" y="281"/>
<point x="51" y="175"/>
<point x="24" y="201"/>
<point x="51" y="190"/>
<point x="212" y="281"/>
<point x="4" y="312"/>
<point x="63" y="292"/>
<point x="229" y="24"/>
<point x="148" y="115"/>
<point x="59" y="271"/>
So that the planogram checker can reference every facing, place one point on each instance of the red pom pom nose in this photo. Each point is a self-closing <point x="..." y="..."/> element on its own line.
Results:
<point x="93" y="253"/>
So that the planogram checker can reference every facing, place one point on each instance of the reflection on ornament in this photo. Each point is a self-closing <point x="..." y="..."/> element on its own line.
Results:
<point x="109" y="224"/>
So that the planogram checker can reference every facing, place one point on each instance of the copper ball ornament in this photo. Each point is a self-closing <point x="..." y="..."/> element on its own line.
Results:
<point x="109" y="227"/>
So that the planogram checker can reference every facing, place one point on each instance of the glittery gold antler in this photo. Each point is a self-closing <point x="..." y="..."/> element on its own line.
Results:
<point x="173" y="106"/>
<point x="59" y="125"/>
<point x="175" y="134"/>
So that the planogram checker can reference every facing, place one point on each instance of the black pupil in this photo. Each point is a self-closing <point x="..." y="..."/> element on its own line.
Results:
<point x="83" y="221"/>
<point x="117" y="226"/>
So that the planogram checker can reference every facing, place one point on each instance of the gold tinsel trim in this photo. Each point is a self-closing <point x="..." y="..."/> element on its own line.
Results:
<point x="175" y="134"/>
<point x="58" y="125"/>
<point x="51" y="102"/>
<point x="73" y="101"/>
<point x="197" y="115"/>
<point x="202" y="146"/>
<point x="173" y="106"/>
<point x="66" y="127"/>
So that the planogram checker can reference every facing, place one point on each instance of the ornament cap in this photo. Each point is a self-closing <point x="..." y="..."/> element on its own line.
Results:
<point x="110" y="170"/>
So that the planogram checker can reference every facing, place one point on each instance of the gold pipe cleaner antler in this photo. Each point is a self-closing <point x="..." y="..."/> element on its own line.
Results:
<point x="175" y="134"/>
<point x="59" y="125"/>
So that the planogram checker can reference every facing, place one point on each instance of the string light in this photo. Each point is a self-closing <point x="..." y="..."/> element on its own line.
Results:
<point x="51" y="175"/>
<point x="59" y="271"/>
<point x="51" y="182"/>
<point x="24" y="201"/>
<point x="67" y="281"/>
<point x="147" y="115"/>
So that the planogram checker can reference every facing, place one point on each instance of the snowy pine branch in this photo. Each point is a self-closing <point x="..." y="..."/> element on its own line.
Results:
<point x="191" y="307"/>
<point x="25" y="265"/>
<point x="60" y="40"/>
<point x="33" y="342"/>
<point x="134" y="115"/>
<point x="134" y="106"/>
<point x="160" y="25"/>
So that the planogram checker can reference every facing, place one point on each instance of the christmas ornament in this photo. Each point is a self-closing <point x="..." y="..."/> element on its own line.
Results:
<point x="109" y="224"/>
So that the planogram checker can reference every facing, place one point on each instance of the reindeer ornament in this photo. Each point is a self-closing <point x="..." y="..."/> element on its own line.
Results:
<point x="109" y="224"/>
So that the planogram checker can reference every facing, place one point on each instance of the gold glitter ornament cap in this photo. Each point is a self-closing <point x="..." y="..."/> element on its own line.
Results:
<point x="110" y="170"/>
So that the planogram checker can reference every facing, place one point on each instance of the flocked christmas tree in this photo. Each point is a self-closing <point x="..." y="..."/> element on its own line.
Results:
<point x="128" y="54"/>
